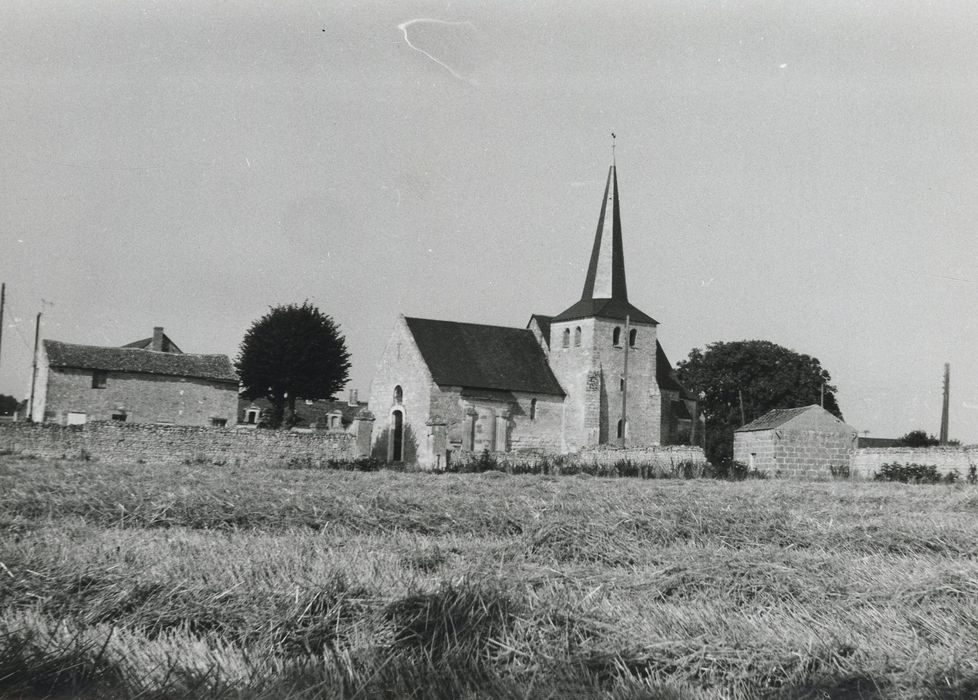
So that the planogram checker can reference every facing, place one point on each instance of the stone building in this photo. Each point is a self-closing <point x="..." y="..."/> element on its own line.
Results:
<point x="594" y="374"/>
<point x="800" y="442"/>
<point x="149" y="381"/>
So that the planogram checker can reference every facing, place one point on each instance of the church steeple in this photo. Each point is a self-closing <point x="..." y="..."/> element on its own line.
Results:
<point x="605" y="294"/>
<point x="606" y="273"/>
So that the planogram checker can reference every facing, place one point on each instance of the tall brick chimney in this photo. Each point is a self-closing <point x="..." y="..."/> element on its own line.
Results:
<point x="157" y="339"/>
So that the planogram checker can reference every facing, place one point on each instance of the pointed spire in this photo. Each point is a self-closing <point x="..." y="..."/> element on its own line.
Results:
<point x="606" y="273"/>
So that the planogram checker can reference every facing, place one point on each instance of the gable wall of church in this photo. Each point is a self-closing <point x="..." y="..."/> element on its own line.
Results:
<point x="401" y="365"/>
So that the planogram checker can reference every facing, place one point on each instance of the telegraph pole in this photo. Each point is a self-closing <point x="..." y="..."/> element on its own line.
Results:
<point x="947" y="397"/>
<point x="37" y="337"/>
<point x="3" y="299"/>
<point x="624" y="382"/>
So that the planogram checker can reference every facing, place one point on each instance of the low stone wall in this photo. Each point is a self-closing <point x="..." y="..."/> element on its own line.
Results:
<point x="129" y="443"/>
<point x="662" y="458"/>
<point x="868" y="460"/>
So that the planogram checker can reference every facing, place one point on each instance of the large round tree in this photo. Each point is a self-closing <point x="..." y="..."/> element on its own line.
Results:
<point x="742" y="380"/>
<point x="292" y="352"/>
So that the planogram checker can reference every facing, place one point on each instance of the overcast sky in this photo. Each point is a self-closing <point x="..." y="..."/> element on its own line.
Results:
<point x="800" y="172"/>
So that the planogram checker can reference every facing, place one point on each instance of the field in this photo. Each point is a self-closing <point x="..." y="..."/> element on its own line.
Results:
<point x="204" y="581"/>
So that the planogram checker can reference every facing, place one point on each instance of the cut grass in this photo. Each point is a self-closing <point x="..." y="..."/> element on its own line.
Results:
<point x="207" y="581"/>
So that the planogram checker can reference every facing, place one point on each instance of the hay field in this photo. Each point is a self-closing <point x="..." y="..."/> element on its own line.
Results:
<point x="224" y="582"/>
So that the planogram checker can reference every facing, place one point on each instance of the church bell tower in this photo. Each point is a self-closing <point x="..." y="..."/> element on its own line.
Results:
<point x="603" y="349"/>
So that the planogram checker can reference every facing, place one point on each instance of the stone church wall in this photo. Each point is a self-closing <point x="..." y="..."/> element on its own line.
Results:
<point x="401" y="365"/>
<point x="123" y="443"/>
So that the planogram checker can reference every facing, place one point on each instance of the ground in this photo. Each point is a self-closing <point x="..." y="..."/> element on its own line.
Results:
<point x="207" y="581"/>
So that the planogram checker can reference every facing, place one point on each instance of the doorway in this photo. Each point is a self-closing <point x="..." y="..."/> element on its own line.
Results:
<point x="397" y="436"/>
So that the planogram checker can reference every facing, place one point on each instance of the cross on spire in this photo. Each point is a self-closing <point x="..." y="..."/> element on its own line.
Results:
<point x="613" y="137"/>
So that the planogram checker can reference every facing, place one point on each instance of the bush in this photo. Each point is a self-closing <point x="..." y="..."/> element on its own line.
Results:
<point x="839" y="471"/>
<point x="912" y="474"/>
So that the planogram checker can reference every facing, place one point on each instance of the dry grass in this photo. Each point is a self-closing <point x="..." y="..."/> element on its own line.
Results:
<point x="202" y="581"/>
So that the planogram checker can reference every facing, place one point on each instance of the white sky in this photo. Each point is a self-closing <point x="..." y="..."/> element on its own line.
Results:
<point x="800" y="172"/>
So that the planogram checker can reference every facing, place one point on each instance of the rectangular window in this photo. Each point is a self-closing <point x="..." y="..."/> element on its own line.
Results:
<point x="219" y="422"/>
<point x="99" y="379"/>
<point x="121" y="417"/>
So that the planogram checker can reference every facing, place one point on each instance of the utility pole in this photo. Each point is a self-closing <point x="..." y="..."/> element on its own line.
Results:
<point x="624" y="382"/>
<point x="947" y="398"/>
<point x="3" y="299"/>
<point x="740" y="393"/>
<point x="37" y="338"/>
<point x="821" y="398"/>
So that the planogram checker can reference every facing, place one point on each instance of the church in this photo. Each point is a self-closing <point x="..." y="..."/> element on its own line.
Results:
<point x="594" y="374"/>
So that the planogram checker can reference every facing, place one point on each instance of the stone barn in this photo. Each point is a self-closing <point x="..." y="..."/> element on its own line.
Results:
<point x="796" y="442"/>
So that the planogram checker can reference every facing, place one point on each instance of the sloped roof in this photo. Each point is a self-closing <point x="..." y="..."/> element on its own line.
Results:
<point x="779" y="417"/>
<point x="214" y="367"/>
<point x="147" y="344"/>
<point x="665" y="375"/>
<point x="605" y="308"/>
<point x="544" y="323"/>
<point x="487" y="357"/>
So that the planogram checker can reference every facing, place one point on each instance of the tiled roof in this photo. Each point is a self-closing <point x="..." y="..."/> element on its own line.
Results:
<point x="544" y="323"/>
<point x="214" y="367"/>
<point x="774" y="418"/>
<point x="487" y="357"/>
<point x="605" y="308"/>
<point x="147" y="344"/>
<point x="665" y="375"/>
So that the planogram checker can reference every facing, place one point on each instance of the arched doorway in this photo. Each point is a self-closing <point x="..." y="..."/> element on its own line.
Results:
<point x="397" y="436"/>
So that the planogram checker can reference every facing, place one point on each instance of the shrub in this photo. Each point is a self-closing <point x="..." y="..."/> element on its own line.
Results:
<point x="910" y="474"/>
<point x="839" y="471"/>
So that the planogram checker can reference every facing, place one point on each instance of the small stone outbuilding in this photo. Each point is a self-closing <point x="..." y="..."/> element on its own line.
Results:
<point x="805" y="442"/>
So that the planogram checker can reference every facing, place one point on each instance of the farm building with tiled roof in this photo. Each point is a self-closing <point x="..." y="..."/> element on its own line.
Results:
<point x="148" y="381"/>
<point x="591" y="375"/>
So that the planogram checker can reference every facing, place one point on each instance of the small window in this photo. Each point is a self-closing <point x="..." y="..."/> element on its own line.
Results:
<point x="398" y="394"/>
<point x="619" y="428"/>
<point x="567" y="337"/>
<point x="616" y="337"/>
<point x="533" y="409"/>
<point x="119" y="416"/>
<point x="99" y="379"/>
<point x="219" y="422"/>
<point x="577" y="337"/>
<point x="621" y="384"/>
<point x="251" y="416"/>
<point x="632" y="335"/>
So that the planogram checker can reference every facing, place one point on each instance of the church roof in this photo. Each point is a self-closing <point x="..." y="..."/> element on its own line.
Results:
<point x="214" y="367"/>
<point x="605" y="293"/>
<point x="486" y="357"/>
<point x="665" y="375"/>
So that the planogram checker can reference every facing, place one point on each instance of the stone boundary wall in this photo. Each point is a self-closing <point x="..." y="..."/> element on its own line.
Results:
<point x="868" y="460"/>
<point x="168" y="444"/>
<point x="664" y="458"/>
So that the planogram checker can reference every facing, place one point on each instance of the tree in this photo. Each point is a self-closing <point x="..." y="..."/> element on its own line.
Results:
<point x="918" y="438"/>
<point x="8" y="405"/>
<point x="292" y="352"/>
<point x="742" y="380"/>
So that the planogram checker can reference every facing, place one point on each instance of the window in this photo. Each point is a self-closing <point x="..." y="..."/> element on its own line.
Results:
<point x="621" y="383"/>
<point x="566" y="338"/>
<point x="251" y="416"/>
<point x="119" y="416"/>
<point x="577" y="337"/>
<point x="632" y="334"/>
<point x="619" y="428"/>
<point x="99" y="379"/>
<point x="398" y="394"/>
<point x="616" y="337"/>
<point x="219" y="422"/>
<point x="533" y="409"/>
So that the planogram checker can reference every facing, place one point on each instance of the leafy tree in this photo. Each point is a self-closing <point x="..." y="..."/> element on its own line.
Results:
<point x="292" y="352"/>
<point x="756" y="374"/>
<point x="918" y="438"/>
<point x="8" y="404"/>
